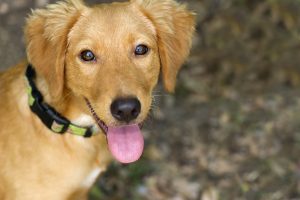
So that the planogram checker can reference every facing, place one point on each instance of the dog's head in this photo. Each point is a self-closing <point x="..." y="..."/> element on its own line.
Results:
<point x="110" y="54"/>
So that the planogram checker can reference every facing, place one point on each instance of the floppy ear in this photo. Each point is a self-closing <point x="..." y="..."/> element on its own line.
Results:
<point x="46" y="34"/>
<point x="174" y="27"/>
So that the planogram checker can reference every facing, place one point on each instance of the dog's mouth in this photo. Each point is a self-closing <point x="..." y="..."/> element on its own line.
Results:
<point x="126" y="142"/>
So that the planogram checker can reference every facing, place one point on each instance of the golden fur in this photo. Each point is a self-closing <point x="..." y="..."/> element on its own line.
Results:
<point x="38" y="164"/>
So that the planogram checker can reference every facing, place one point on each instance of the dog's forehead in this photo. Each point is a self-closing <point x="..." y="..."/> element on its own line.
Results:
<point x="111" y="28"/>
<point x="115" y="19"/>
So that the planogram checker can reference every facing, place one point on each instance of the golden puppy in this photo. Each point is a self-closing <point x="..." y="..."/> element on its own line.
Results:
<point x="83" y="92"/>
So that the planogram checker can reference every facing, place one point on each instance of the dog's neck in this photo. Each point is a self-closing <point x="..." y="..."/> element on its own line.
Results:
<point x="61" y="104"/>
<point x="79" y="124"/>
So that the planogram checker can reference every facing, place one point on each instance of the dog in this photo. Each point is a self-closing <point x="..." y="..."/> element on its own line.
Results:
<point x="80" y="97"/>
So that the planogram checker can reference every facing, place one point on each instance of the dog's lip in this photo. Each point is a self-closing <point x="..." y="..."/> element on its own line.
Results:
<point x="106" y="125"/>
<point x="116" y="124"/>
<point x="100" y="122"/>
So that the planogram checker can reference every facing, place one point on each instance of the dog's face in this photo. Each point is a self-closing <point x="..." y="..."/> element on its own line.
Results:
<point x="111" y="55"/>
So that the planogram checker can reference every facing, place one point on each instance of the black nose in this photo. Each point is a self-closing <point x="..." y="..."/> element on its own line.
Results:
<point x="125" y="110"/>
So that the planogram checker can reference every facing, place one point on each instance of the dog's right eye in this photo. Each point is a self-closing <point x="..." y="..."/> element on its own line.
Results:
<point x="141" y="50"/>
<point x="87" y="56"/>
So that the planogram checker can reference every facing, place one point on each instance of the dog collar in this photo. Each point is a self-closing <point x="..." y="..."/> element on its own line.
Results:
<point x="47" y="114"/>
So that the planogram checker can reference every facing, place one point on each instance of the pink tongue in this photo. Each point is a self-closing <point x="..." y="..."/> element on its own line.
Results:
<point x="126" y="143"/>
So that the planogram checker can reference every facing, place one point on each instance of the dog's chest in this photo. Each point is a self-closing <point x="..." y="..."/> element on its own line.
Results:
<point x="91" y="177"/>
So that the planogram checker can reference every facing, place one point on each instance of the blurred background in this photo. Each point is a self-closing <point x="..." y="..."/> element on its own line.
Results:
<point x="232" y="130"/>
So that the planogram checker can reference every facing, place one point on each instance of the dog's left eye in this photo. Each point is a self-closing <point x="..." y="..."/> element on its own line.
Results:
<point x="87" y="56"/>
<point x="141" y="50"/>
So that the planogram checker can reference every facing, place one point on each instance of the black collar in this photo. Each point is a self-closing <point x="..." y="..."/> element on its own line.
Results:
<point x="47" y="114"/>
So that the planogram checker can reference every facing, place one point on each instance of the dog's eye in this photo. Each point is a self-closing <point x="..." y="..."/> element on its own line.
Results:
<point x="141" y="50"/>
<point x="87" y="56"/>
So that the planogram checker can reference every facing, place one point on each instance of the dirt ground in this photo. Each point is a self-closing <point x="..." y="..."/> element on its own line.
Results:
<point x="232" y="130"/>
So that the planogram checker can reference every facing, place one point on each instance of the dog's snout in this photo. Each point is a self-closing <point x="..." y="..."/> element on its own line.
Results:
<point x="126" y="110"/>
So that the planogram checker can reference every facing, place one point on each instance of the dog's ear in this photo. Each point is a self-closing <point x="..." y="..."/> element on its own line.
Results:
<point x="46" y="34"/>
<point x="174" y="26"/>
